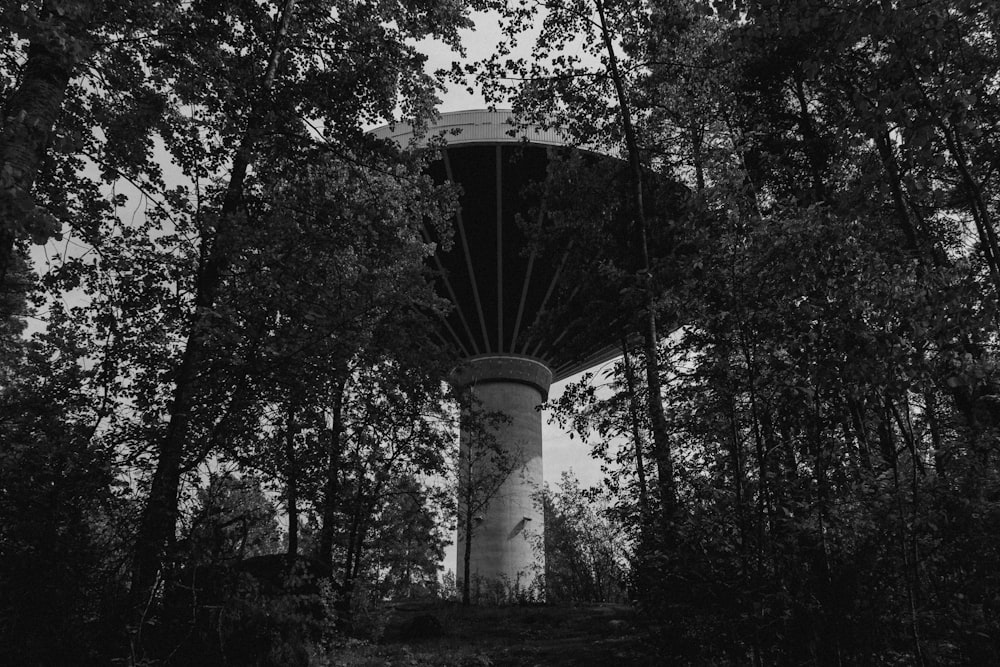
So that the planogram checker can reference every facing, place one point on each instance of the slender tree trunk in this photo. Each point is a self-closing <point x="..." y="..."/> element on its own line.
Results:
<point x="159" y="517"/>
<point x="909" y="568"/>
<point x="763" y="492"/>
<point x="778" y="475"/>
<point x="984" y="220"/>
<point x="352" y="559"/>
<point x="736" y="462"/>
<point x="817" y="163"/>
<point x="922" y="246"/>
<point x="467" y="556"/>
<point x="291" y="486"/>
<point x="933" y="423"/>
<point x="361" y="541"/>
<point x="347" y="584"/>
<point x="980" y="211"/>
<point x="654" y="399"/>
<point x="637" y="439"/>
<point x="830" y="630"/>
<point x="858" y="422"/>
<point x="698" y="157"/>
<point x="333" y="456"/>
<point x="29" y="117"/>
<point x="885" y="152"/>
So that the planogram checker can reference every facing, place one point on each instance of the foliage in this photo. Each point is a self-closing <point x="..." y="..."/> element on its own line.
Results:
<point x="804" y="465"/>
<point x="409" y="544"/>
<point x="232" y="520"/>
<point x="827" y="329"/>
<point x="261" y="610"/>
<point x="235" y="247"/>
<point x="586" y="559"/>
<point x="63" y="522"/>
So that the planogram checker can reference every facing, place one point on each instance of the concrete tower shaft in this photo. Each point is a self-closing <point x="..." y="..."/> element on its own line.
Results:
<point x="501" y="473"/>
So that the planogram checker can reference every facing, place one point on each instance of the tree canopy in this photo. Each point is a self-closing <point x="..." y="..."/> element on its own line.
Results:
<point x="224" y="417"/>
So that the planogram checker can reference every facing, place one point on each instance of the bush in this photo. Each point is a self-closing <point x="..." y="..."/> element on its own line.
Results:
<point x="254" y="612"/>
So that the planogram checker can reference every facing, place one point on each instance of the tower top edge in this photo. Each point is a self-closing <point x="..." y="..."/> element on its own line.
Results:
<point x="473" y="126"/>
<point x="504" y="368"/>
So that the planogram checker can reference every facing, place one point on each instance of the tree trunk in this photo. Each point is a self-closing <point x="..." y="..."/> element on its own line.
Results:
<point x="698" y="157"/>
<point x="977" y="207"/>
<point x="640" y="465"/>
<point x="29" y="118"/>
<point x="654" y="400"/>
<point x="736" y="462"/>
<point x="467" y="556"/>
<point x="811" y="139"/>
<point x="352" y="559"/>
<point x="937" y="445"/>
<point x="330" y="496"/>
<point x="909" y="568"/>
<point x="159" y="517"/>
<point x="291" y="487"/>
<point x="861" y="432"/>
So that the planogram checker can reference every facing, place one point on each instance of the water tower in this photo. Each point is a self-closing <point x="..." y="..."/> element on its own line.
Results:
<point x="500" y="289"/>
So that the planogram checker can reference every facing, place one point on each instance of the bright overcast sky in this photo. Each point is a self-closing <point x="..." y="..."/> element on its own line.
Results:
<point x="479" y="43"/>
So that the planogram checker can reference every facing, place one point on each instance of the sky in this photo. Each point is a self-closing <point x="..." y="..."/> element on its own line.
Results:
<point x="479" y="42"/>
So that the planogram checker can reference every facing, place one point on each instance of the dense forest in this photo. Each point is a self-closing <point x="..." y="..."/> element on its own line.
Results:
<point x="226" y="435"/>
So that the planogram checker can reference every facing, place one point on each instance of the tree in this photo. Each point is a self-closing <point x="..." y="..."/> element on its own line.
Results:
<point x="394" y="443"/>
<point x="60" y="506"/>
<point x="811" y="400"/>
<point x="263" y="84"/>
<point x="586" y="557"/>
<point x="232" y="520"/>
<point x="408" y="544"/>
<point x="607" y="417"/>
<point x="578" y="82"/>
<point x="72" y="67"/>
<point x="59" y="38"/>
<point x="835" y="294"/>
<point x="225" y="89"/>
<point x="334" y="315"/>
<point x="484" y="465"/>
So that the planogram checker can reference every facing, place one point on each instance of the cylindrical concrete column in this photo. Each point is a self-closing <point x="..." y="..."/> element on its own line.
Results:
<point x="501" y="475"/>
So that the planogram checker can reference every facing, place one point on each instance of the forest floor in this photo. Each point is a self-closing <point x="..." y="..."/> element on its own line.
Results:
<point x="516" y="636"/>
